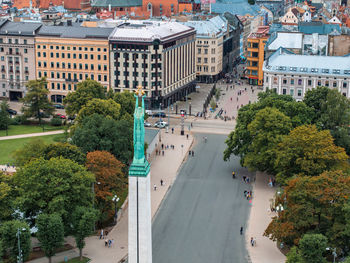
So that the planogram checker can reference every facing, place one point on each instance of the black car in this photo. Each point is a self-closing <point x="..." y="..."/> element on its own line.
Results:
<point x="159" y="114"/>
<point x="12" y="112"/>
<point x="58" y="106"/>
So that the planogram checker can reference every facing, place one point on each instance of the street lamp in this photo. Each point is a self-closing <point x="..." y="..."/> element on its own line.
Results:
<point x="115" y="199"/>
<point x="334" y="253"/>
<point x="20" y="254"/>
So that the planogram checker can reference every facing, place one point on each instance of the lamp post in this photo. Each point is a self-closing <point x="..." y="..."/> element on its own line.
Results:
<point x="334" y="253"/>
<point x="20" y="255"/>
<point x="115" y="199"/>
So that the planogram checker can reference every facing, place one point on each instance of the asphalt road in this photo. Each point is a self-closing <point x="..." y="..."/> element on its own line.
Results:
<point x="200" y="219"/>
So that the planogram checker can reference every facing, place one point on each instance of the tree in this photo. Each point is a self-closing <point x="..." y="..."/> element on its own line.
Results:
<point x="99" y="133"/>
<point x="30" y="150"/>
<point x="293" y="256"/>
<point x="111" y="179"/>
<point x="65" y="150"/>
<point x="6" y="197"/>
<point x="9" y="236"/>
<point x="307" y="151"/>
<point x="86" y="91"/>
<point x="332" y="112"/>
<point x="251" y="2"/>
<point x="50" y="233"/>
<point x="313" y="205"/>
<point x="83" y="224"/>
<point x="212" y="104"/>
<point x="126" y="100"/>
<point x="267" y="130"/>
<point x="51" y="186"/>
<point x="240" y="139"/>
<point x="4" y="116"/>
<point x="107" y="108"/>
<point x="312" y="247"/>
<point x="36" y="99"/>
<point x="217" y="94"/>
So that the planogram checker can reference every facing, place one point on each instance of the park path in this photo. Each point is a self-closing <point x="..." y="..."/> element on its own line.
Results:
<point x="266" y="250"/>
<point x="162" y="167"/>
<point x="19" y="136"/>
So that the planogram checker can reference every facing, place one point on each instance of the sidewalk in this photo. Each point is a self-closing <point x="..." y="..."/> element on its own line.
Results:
<point x="162" y="167"/>
<point x="265" y="250"/>
<point x="3" y="138"/>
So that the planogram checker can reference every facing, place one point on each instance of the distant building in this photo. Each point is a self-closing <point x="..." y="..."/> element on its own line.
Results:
<point x="159" y="56"/>
<point x="291" y="74"/>
<point x="255" y="58"/>
<point x="339" y="45"/>
<point x="17" y="61"/>
<point x="45" y="4"/>
<point x="66" y="55"/>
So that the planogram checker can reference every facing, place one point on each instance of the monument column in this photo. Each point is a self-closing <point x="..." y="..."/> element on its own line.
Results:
<point x="140" y="224"/>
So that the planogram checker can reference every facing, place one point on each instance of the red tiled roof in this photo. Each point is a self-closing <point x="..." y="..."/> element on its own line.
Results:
<point x="44" y="4"/>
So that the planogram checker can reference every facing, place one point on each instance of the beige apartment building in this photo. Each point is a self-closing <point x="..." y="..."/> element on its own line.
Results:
<point x="159" y="56"/>
<point x="66" y="55"/>
<point x="17" y="57"/>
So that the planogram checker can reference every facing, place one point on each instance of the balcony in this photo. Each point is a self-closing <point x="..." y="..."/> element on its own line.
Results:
<point x="17" y="62"/>
<point x="26" y="72"/>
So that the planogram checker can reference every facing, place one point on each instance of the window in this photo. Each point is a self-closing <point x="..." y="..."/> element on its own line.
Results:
<point x="52" y="65"/>
<point x="299" y="92"/>
<point x="52" y="85"/>
<point x="205" y="51"/>
<point x="86" y="56"/>
<point x="57" y="55"/>
<point x="80" y="56"/>
<point x="292" y="82"/>
<point x="68" y="55"/>
<point x="25" y="60"/>
<point x="284" y="91"/>
<point x="199" y="50"/>
<point x="63" y="55"/>
<point x="58" y="86"/>
<point x="104" y="57"/>
<point x="64" y="86"/>
<point x="98" y="57"/>
<point x="212" y="60"/>
<point x="284" y="81"/>
<point x="212" y="69"/>
<point x="58" y="75"/>
<point x="105" y="67"/>
<point x="92" y="66"/>
<point x="91" y="56"/>
<point x="334" y="84"/>
<point x="344" y="84"/>
<point x="327" y="83"/>
<point x="51" y="55"/>
<point x="86" y="66"/>
<point x="205" y="60"/>
<point x="25" y="41"/>
<point x="25" y="51"/>
<point x="52" y="74"/>
<point x="99" y="77"/>
<point x="104" y="77"/>
<point x="2" y="58"/>
<point x="199" y="60"/>
<point x="39" y="54"/>
<point x="309" y="82"/>
<point x="319" y="83"/>
<point x="57" y="65"/>
<point x="300" y="82"/>
<point x="291" y="92"/>
<point x="74" y="56"/>
<point x="44" y="54"/>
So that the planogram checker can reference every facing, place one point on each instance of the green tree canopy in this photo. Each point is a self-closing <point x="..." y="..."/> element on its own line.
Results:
<point x="239" y="140"/>
<point x="293" y="256"/>
<point x="50" y="186"/>
<point x="7" y="196"/>
<point x="50" y="233"/>
<point x="30" y="150"/>
<point x="315" y="98"/>
<point x="99" y="133"/>
<point x="107" y="108"/>
<point x="313" y="205"/>
<point x="86" y="91"/>
<point x="312" y="248"/>
<point x="126" y="100"/>
<point x="9" y="236"/>
<point x="307" y="151"/>
<point x="4" y="115"/>
<point x="83" y="220"/>
<point x="266" y="131"/>
<point x="36" y="99"/>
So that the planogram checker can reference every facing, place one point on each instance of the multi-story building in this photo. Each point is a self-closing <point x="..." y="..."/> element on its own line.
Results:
<point x="66" y="55"/>
<point x="17" y="57"/>
<point x="209" y="48"/>
<point x="291" y="74"/>
<point x="256" y="55"/>
<point x="156" y="55"/>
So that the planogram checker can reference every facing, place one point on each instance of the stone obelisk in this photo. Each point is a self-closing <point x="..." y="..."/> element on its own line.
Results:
<point x="140" y="227"/>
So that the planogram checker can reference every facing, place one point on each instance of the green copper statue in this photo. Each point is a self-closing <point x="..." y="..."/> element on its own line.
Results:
<point x="139" y="161"/>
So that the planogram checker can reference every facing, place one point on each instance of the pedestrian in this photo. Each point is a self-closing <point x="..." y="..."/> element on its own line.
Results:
<point x="163" y="152"/>
<point x="155" y="187"/>
<point x="106" y="243"/>
<point x="245" y="193"/>
<point x="192" y="153"/>
<point x="162" y="146"/>
<point x="161" y="182"/>
<point x="156" y="151"/>
<point x="109" y="243"/>
<point x="101" y="234"/>
<point x="231" y="98"/>
<point x="172" y="130"/>
<point x="191" y="125"/>
<point x="187" y="136"/>
<point x="237" y="98"/>
<point x="252" y="241"/>
<point x="244" y="178"/>
<point x="189" y="153"/>
<point x="112" y="242"/>
<point x="241" y="230"/>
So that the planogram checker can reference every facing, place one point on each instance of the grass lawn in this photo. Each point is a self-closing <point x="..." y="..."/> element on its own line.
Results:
<point x="7" y="147"/>
<point x="76" y="260"/>
<point x="25" y="129"/>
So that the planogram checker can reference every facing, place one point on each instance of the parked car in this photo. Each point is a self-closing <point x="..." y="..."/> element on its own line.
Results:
<point x="161" y="124"/>
<point x="147" y="124"/>
<point x="12" y="112"/>
<point x="61" y="116"/>
<point x="58" y="106"/>
<point x="44" y="115"/>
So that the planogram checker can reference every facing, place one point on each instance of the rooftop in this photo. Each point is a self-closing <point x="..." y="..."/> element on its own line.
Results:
<point x="285" y="62"/>
<point x="147" y="30"/>
<point x="286" y="40"/>
<point x="236" y="7"/>
<point x="116" y="3"/>
<point x="18" y="28"/>
<point x="213" y="27"/>
<point x="75" y="32"/>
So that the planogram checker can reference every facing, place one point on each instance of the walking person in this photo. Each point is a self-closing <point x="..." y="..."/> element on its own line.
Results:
<point x="101" y="234"/>
<point x="252" y="241"/>
<point x="163" y="152"/>
<point x="161" y="182"/>
<point x="155" y="187"/>
<point x="192" y="153"/>
<point x="109" y="243"/>
<point x="241" y="230"/>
